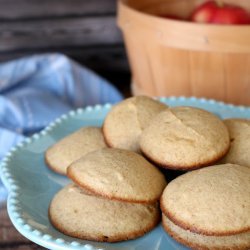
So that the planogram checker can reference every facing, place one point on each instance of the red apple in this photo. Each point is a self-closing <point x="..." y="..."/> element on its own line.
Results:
<point x="231" y="15"/>
<point x="216" y="12"/>
<point x="204" y="13"/>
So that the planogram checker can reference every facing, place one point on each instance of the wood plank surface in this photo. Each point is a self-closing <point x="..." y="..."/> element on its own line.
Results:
<point x="10" y="238"/>
<point x="23" y="9"/>
<point x="82" y="29"/>
<point x="60" y="32"/>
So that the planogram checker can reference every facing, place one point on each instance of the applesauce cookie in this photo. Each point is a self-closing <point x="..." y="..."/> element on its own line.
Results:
<point x="185" y="138"/>
<point x="60" y="155"/>
<point x="124" y="123"/>
<point x="210" y="201"/>
<point x="118" y="174"/>
<point x="239" y="132"/>
<point x="78" y="213"/>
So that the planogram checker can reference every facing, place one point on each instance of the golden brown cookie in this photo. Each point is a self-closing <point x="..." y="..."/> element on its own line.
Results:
<point x="118" y="174"/>
<point x="60" y="155"/>
<point x="124" y="123"/>
<point x="185" y="138"/>
<point x="78" y="213"/>
<point x="239" y="132"/>
<point x="212" y="201"/>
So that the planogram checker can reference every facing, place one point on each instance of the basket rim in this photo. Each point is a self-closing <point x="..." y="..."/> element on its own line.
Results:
<point x="183" y="34"/>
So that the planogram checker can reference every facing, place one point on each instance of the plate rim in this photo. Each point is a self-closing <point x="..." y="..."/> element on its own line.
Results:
<point x="9" y="181"/>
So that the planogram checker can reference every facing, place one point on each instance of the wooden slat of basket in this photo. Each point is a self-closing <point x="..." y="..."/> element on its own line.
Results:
<point x="238" y="80"/>
<point x="167" y="65"/>
<point x="215" y="74"/>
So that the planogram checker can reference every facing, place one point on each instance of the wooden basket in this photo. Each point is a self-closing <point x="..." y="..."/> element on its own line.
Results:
<point x="171" y="57"/>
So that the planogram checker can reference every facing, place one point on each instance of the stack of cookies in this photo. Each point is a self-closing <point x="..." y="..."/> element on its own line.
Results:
<point x="125" y="122"/>
<point x="114" y="197"/>
<point x="115" y="194"/>
<point x="209" y="208"/>
<point x="117" y="180"/>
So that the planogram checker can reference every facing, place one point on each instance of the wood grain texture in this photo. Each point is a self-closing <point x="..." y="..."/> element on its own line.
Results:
<point x="10" y="238"/>
<point x="57" y="33"/>
<point x="183" y="58"/>
<point x="23" y="9"/>
<point x="84" y="30"/>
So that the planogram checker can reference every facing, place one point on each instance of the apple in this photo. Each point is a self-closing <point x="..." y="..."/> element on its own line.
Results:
<point x="217" y="12"/>
<point x="231" y="15"/>
<point x="204" y="13"/>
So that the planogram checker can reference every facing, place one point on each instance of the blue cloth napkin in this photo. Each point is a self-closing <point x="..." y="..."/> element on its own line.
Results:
<point x="37" y="89"/>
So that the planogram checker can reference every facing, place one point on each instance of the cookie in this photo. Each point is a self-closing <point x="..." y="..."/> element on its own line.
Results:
<point x="185" y="138"/>
<point x="212" y="201"/>
<point x="78" y="213"/>
<point x="239" y="132"/>
<point x="124" y="123"/>
<point x="203" y="242"/>
<point x="118" y="174"/>
<point x="60" y="155"/>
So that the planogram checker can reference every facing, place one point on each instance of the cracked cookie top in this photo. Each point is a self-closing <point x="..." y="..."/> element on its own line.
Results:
<point x="185" y="138"/>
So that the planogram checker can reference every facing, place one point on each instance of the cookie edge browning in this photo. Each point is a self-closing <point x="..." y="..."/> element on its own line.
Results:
<point x="46" y="158"/>
<point x="185" y="167"/>
<point x="50" y="166"/>
<point x="117" y="238"/>
<point x="109" y="144"/>
<point x="193" y="245"/>
<point x="110" y="197"/>
<point x="194" y="229"/>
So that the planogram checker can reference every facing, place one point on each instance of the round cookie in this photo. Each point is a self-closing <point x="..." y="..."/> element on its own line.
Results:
<point x="239" y="132"/>
<point x="203" y="242"/>
<point x="60" y="155"/>
<point x="118" y="174"/>
<point x="185" y="138"/>
<point x="124" y="123"/>
<point x="80" y="214"/>
<point x="210" y="201"/>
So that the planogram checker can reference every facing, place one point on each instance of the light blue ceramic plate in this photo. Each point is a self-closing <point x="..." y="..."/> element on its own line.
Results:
<point x="32" y="185"/>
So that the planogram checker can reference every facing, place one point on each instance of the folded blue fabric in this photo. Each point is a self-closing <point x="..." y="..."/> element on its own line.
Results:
<point x="35" y="90"/>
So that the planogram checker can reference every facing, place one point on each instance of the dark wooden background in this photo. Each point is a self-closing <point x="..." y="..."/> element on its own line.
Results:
<point x="85" y="30"/>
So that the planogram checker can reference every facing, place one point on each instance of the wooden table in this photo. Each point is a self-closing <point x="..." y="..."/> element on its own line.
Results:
<point x="10" y="238"/>
<point x="82" y="29"/>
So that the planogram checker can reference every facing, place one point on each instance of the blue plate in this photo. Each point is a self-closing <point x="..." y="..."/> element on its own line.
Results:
<point x="32" y="185"/>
